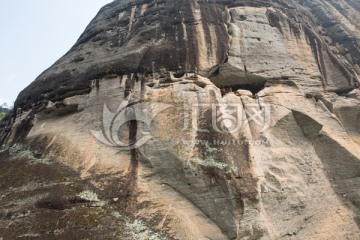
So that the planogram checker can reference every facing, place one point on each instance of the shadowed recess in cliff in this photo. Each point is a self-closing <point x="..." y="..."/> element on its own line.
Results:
<point x="342" y="169"/>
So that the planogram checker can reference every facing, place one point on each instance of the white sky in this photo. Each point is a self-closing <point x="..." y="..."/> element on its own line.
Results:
<point x="36" y="33"/>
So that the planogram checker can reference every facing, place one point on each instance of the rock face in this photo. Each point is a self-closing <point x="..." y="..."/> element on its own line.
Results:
<point x="206" y="119"/>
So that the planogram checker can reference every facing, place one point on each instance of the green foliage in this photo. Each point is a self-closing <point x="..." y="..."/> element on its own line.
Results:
<point x="4" y="110"/>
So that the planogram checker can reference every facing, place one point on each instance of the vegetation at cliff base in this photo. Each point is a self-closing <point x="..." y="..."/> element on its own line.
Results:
<point x="3" y="110"/>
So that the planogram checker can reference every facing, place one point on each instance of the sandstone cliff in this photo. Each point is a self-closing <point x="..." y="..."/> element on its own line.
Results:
<point x="242" y="121"/>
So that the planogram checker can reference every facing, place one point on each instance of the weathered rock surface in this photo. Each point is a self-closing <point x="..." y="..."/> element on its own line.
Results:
<point x="242" y="121"/>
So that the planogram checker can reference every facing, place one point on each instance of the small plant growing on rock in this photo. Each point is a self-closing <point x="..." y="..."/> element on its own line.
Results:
<point x="90" y="196"/>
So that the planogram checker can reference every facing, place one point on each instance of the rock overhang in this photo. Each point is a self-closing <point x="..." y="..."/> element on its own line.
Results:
<point x="143" y="37"/>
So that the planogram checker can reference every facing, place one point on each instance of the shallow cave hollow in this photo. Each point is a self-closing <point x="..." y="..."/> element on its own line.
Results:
<point x="253" y="88"/>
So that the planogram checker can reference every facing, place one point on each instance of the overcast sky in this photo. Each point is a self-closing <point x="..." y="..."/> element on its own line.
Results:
<point x="34" y="34"/>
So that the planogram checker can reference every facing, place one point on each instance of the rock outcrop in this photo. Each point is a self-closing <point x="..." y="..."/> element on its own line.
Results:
<point x="219" y="119"/>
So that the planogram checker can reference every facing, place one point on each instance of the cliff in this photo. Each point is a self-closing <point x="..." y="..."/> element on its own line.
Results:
<point x="219" y="119"/>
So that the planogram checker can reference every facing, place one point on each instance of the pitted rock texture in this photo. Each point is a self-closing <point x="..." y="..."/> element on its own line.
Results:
<point x="260" y="137"/>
